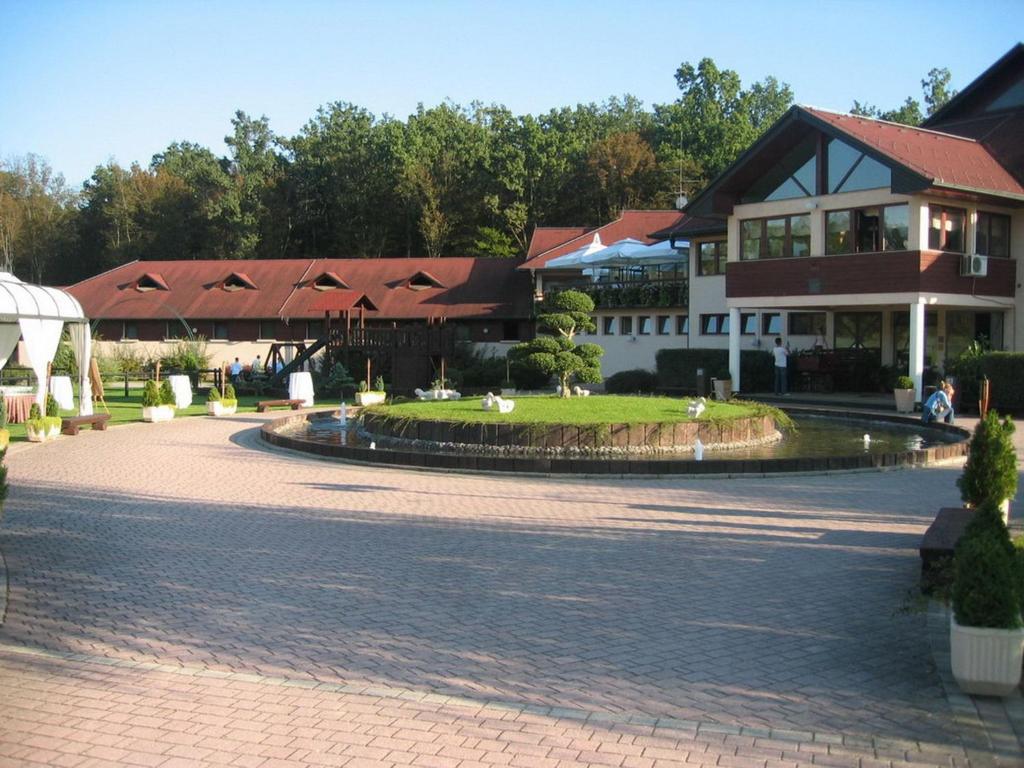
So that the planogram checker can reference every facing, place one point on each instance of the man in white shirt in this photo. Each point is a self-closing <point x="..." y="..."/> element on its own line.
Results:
<point x="781" y="355"/>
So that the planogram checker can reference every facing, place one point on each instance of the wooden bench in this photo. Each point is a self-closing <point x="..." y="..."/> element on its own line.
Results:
<point x="264" y="405"/>
<point x="71" y="424"/>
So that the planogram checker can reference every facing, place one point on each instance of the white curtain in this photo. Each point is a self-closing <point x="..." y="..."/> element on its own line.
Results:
<point x="81" y="343"/>
<point x="41" y="340"/>
<point x="9" y="335"/>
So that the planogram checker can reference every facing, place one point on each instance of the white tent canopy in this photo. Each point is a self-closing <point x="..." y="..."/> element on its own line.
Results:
<point x="630" y="252"/>
<point x="36" y="314"/>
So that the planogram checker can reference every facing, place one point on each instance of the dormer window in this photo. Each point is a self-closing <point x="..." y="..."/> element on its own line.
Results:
<point x="422" y="280"/>
<point x="238" y="281"/>
<point x="151" y="281"/>
<point x="329" y="281"/>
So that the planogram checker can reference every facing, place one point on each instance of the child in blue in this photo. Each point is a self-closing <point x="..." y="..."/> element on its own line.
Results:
<point x="939" y="405"/>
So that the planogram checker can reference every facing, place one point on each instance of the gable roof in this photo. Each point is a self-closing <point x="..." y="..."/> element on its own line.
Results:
<point x="635" y="224"/>
<point x="546" y="238"/>
<point x="981" y="90"/>
<point x="921" y="159"/>
<point x="469" y="288"/>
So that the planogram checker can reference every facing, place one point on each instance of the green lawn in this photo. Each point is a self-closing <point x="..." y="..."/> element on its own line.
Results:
<point x="548" y="409"/>
<point x="124" y="410"/>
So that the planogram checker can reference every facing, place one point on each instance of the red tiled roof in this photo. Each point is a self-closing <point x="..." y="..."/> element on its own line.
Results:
<point x="546" y="238"/>
<point x="338" y="300"/>
<point x="635" y="224"/>
<point x="944" y="159"/>
<point x="470" y="287"/>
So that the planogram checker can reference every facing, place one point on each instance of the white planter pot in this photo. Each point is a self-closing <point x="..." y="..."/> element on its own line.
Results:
<point x="904" y="400"/>
<point x="217" y="408"/>
<point x="370" y="398"/>
<point x="34" y="436"/>
<point x="158" y="413"/>
<point x="986" y="662"/>
<point x="53" y="433"/>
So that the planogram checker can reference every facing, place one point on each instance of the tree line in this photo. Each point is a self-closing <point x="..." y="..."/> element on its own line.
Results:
<point x="448" y="180"/>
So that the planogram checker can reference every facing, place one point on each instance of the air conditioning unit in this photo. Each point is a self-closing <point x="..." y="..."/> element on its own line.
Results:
<point x="974" y="265"/>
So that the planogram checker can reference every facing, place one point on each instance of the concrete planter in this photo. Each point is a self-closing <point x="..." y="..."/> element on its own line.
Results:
<point x="986" y="662"/>
<point x="370" y="398"/>
<point x="217" y="408"/>
<point x="904" y="400"/>
<point x="158" y="413"/>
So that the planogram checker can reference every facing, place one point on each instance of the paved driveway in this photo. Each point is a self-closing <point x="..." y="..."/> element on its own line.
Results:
<point x="178" y="592"/>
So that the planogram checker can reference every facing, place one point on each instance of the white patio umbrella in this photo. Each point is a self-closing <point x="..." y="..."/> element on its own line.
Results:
<point x="616" y="254"/>
<point x="572" y="259"/>
<point x="659" y="253"/>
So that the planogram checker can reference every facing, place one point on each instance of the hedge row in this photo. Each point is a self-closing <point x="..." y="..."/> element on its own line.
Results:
<point x="1005" y="372"/>
<point x="677" y="368"/>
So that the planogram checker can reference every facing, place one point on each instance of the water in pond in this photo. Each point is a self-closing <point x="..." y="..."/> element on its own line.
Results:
<point x="814" y="437"/>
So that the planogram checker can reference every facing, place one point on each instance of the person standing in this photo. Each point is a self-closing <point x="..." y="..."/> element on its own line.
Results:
<point x="781" y="355"/>
<point x="257" y="365"/>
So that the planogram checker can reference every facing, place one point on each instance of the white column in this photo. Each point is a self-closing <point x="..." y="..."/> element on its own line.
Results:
<point x="735" y="332"/>
<point x="917" y="347"/>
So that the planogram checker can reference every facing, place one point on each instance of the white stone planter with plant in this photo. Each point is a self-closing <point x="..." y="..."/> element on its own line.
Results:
<point x="157" y="402"/>
<point x="905" y="394"/>
<point x="39" y="428"/>
<point x="375" y="396"/>
<point x="221" y="406"/>
<point x="990" y="471"/>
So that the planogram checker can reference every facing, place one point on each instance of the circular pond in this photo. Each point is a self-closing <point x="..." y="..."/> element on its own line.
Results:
<point x="822" y="441"/>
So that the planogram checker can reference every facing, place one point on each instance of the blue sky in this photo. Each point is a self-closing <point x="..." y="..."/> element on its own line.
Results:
<point x="82" y="82"/>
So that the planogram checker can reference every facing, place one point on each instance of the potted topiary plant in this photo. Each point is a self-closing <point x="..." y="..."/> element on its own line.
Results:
<point x="53" y="417"/>
<point x="221" y="406"/>
<point x="905" y="394"/>
<point x="991" y="468"/>
<point x="367" y="396"/>
<point x="153" y="407"/>
<point x="986" y="633"/>
<point x="39" y="428"/>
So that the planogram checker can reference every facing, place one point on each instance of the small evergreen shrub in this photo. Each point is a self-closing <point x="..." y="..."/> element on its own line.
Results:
<point x="52" y="407"/>
<point x="3" y="413"/>
<point x="986" y="590"/>
<point x="1005" y="372"/>
<point x="635" y="381"/>
<point x="991" y="468"/>
<point x="378" y="384"/>
<point x="229" y="392"/>
<point x="904" y="382"/>
<point x="35" y="412"/>
<point x="213" y="395"/>
<point x="335" y="382"/>
<point x="150" y="395"/>
<point x="166" y="393"/>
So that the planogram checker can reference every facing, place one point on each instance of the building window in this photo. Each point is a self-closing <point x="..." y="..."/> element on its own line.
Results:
<point x="510" y="330"/>
<point x="946" y="229"/>
<point x="713" y="256"/>
<point x="626" y="325"/>
<point x="993" y="235"/>
<point x="220" y="330"/>
<point x="682" y="325"/>
<point x="609" y="326"/>
<point x="748" y="324"/>
<point x="130" y="330"/>
<point x="644" y="325"/>
<point x="850" y="169"/>
<point x="714" y="325"/>
<point x="771" y="324"/>
<point x="867" y="230"/>
<point x="780" y="237"/>
<point x="664" y="325"/>
<point x="858" y="330"/>
<point x="268" y="329"/>
<point x="806" y="323"/>
<point x="314" y="329"/>
<point x="173" y="329"/>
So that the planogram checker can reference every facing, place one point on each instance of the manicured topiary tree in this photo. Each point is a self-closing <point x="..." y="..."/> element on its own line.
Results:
<point x="986" y="580"/>
<point x="150" y="395"/>
<point x="991" y="468"/>
<point x="166" y="393"/>
<point x="52" y="406"/>
<point x="230" y="400"/>
<point x="566" y="314"/>
<point x="213" y="396"/>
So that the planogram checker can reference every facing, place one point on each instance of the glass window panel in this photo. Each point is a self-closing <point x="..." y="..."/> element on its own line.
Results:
<point x="780" y="183"/>
<point x="682" y="325"/>
<point x="664" y="325"/>
<point x="723" y="323"/>
<point x="800" y="234"/>
<point x="775" y="234"/>
<point x="750" y="239"/>
<point x="709" y="324"/>
<point x="771" y="324"/>
<point x="959" y="332"/>
<point x="644" y="325"/>
<point x="954" y="231"/>
<point x="999" y="236"/>
<point x="709" y="258"/>
<point x="609" y="326"/>
<point x="786" y="191"/>
<point x="838" y="235"/>
<point x="806" y="323"/>
<point x="220" y="330"/>
<point x="858" y="330"/>
<point x="841" y="158"/>
<point x="869" y="174"/>
<point x="131" y="330"/>
<point x="626" y="325"/>
<point x="268" y="329"/>
<point x="1010" y="98"/>
<point x="868" y="229"/>
<point x="314" y="329"/>
<point x="897" y="227"/>
<point x="749" y="324"/>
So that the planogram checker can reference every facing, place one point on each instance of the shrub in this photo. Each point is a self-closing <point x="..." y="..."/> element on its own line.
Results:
<point x="150" y="395"/>
<point x="213" y="395"/>
<point x="966" y="369"/>
<point x="35" y="412"/>
<point x="187" y="355"/>
<point x="336" y="382"/>
<point x="991" y="468"/>
<point x="1005" y="372"/>
<point x="3" y="479"/>
<point x="904" y="382"/>
<point x="987" y="520"/>
<point x="378" y="384"/>
<point x="229" y="392"/>
<point x="1018" y="552"/>
<point x="52" y="406"/>
<point x="166" y="393"/>
<point x="677" y="368"/>
<point x="127" y="359"/>
<point x="478" y="371"/>
<point x="986" y="592"/>
<point x="3" y="415"/>
<point x="638" y="380"/>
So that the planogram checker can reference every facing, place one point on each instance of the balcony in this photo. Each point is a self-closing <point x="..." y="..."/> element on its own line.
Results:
<point x="866" y="273"/>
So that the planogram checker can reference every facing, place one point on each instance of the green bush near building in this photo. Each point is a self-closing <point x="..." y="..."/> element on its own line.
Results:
<point x="677" y="368"/>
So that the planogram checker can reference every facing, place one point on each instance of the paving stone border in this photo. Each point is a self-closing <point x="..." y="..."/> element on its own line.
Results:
<point x="271" y="432"/>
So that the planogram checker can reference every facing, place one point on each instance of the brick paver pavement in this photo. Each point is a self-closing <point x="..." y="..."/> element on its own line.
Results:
<point x="180" y="595"/>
